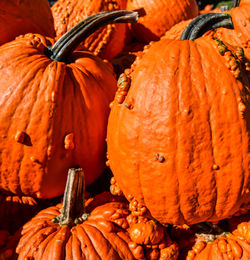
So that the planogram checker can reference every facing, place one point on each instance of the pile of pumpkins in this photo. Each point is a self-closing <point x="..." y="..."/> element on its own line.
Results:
<point x="125" y="130"/>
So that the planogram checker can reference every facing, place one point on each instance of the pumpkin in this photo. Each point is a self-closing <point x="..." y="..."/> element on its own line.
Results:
<point x="156" y="17"/>
<point x="76" y="230"/>
<point x="178" y="131"/>
<point x="149" y="240"/>
<point x="54" y="107"/>
<point x="223" y="246"/>
<point x="16" y="210"/>
<point x="26" y="16"/>
<point x="239" y="35"/>
<point x="105" y="42"/>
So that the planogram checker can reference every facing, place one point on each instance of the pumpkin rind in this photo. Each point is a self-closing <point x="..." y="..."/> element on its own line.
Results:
<point x="178" y="138"/>
<point x="159" y="16"/>
<point x="26" y="16"/>
<point x="53" y="115"/>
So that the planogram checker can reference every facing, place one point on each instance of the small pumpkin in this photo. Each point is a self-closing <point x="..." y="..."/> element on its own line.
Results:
<point x="178" y="131"/>
<point x="27" y="16"/>
<point x="105" y="42"/>
<point x="76" y="230"/>
<point x="224" y="246"/>
<point x="156" y="17"/>
<point x="54" y="108"/>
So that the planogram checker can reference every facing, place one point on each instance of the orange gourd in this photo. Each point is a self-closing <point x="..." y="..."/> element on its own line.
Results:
<point x="26" y="16"/>
<point x="156" y="17"/>
<point x="75" y="229"/>
<point x="54" y="107"/>
<point x="224" y="246"/>
<point x="106" y="42"/>
<point x="239" y="35"/>
<point x="178" y="131"/>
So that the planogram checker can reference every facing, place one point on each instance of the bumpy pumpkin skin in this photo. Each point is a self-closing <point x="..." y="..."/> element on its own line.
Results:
<point x="178" y="134"/>
<point x="26" y="16"/>
<point x="53" y="115"/>
<point x="240" y="34"/>
<point x="103" y="236"/>
<point x="235" y="245"/>
<point x="105" y="42"/>
<point x="159" y="16"/>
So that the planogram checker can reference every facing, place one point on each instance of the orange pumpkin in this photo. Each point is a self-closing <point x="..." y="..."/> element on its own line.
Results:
<point x="156" y="17"/>
<point x="26" y="16"/>
<point x="178" y="131"/>
<point x="74" y="229"/>
<point x="54" y="107"/>
<point x="224" y="246"/>
<point x="105" y="42"/>
<point x="239" y="35"/>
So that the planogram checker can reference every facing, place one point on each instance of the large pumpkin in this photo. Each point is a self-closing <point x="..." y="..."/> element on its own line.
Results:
<point x="54" y="106"/>
<point x="26" y="16"/>
<point x="178" y="131"/>
<point x="105" y="42"/>
<point x="157" y="16"/>
<point x="76" y="230"/>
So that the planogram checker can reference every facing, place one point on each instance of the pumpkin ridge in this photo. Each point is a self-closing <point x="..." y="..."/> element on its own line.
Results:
<point x="109" y="238"/>
<point x="91" y="230"/>
<point x="205" y="97"/>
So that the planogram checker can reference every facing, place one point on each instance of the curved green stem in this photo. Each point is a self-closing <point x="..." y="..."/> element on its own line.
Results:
<point x="61" y="50"/>
<point x="73" y="208"/>
<point x="205" y="22"/>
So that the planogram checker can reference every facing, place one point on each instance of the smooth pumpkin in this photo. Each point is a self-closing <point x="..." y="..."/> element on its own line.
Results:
<point x="178" y="131"/>
<point x="106" y="42"/>
<point x="26" y="16"/>
<point x="54" y="106"/>
<point x="76" y="229"/>
<point x="156" y="17"/>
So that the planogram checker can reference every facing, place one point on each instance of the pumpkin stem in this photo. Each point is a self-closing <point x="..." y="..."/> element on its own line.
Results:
<point x="204" y="23"/>
<point x="73" y="209"/>
<point x="210" y="228"/>
<point x="71" y="39"/>
<point x="236" y="3"/>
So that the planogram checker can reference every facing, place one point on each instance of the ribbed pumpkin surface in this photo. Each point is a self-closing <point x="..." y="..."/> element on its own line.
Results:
<point x="98" y="238"/>
<point x="178" y="143"/>
<point x="26" y="16"/>
<point x="53" y="116"/>
<point x="105" y="42"/>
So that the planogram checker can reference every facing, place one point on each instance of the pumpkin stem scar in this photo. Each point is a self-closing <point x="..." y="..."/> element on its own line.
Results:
<point x="73" y="210"/>
<point x="65" y="45"/>
<point x="205" y="22"/>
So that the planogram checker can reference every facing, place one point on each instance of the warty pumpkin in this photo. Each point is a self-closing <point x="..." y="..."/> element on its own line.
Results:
<point x="239" y="35"/>
<point x="178" y="131"/>
<point x="105" y="42"/>
<point x="54" y="107"/>
<point x="224" y="246"/>
<point x="26" y="16"/>
<point x="75" y="229"/>
<point x="156" y="17"/>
